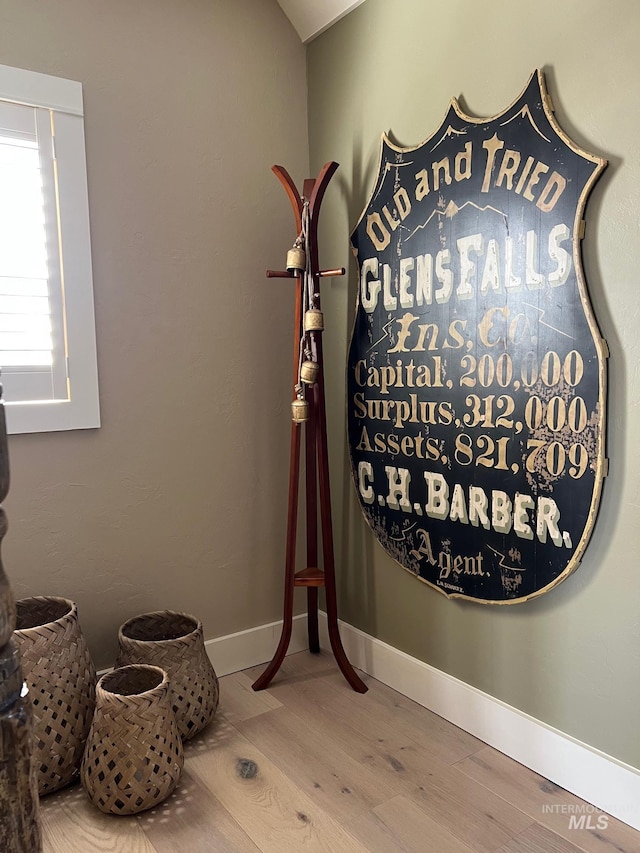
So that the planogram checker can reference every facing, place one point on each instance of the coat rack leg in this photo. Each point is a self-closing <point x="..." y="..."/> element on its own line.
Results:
<point x="312" y="529"/>
<point x="327" y="543"/>
<point x="292" y="524"/>
<point x="285" y="638"/>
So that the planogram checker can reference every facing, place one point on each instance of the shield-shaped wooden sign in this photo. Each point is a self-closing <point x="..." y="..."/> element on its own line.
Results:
<point x="476" y="370"/>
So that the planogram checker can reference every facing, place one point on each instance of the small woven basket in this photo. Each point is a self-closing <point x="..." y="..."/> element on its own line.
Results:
<point x="133" y="757"/>
<point x="175" y="642"/>
<point x="61" y="678"/>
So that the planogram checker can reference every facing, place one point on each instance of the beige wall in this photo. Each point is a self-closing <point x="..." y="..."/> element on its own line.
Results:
<point x="179" y="500"/>
<point x="572" y="657"/>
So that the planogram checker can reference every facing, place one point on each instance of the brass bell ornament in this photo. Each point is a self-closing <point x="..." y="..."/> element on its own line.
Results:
<point x="296" y="259"/>
<point x="300" y="411"/>
<point x="313" y="320"/>
<point x="309" y="371"/>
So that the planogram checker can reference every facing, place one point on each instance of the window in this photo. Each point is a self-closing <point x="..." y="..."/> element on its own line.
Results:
<point x="47" y="328"/>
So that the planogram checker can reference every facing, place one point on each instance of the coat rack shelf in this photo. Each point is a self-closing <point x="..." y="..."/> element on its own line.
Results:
<point x="306" y="209"/>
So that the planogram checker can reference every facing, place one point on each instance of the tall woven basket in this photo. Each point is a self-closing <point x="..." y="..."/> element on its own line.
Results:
<point x="59" y="672"/>
<point x="134" y="757"/>
<point x="175" y="642"/>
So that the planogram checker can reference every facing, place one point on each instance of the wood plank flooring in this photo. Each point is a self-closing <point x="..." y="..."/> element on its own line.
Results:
<point x="310" y="765"/>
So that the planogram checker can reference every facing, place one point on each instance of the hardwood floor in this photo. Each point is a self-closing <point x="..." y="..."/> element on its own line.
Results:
<point x="311" y="765"/>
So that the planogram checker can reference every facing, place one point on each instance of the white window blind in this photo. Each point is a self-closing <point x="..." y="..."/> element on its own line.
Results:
<point x="47" y="331"/>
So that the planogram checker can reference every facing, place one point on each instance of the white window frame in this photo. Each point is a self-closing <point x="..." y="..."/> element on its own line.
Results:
<point x="79" y="409"/>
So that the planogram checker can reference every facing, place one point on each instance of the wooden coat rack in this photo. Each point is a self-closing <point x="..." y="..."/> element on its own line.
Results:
<point x="316" y="457"/>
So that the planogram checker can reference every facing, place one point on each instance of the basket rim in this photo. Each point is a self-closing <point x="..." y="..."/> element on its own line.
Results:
<point x="162" y="684"/>
<point x="70" y="612"/>
<point x="122" y="636"/>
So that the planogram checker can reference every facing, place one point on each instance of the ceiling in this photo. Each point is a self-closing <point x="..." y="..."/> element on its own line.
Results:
<point x="312" y="17"/>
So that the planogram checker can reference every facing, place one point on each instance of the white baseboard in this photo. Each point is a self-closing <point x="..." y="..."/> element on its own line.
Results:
<point x="594" y="776"/>
<point x="254" y="646"/>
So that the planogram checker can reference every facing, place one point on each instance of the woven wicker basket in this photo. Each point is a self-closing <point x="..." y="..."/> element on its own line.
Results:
<point x="134" y="757"/>
<point x="59" y="672"/>
<point x="175" y="642"/>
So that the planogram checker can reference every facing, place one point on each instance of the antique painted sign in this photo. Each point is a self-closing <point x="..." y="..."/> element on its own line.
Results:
<point x="476" y="370"/>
